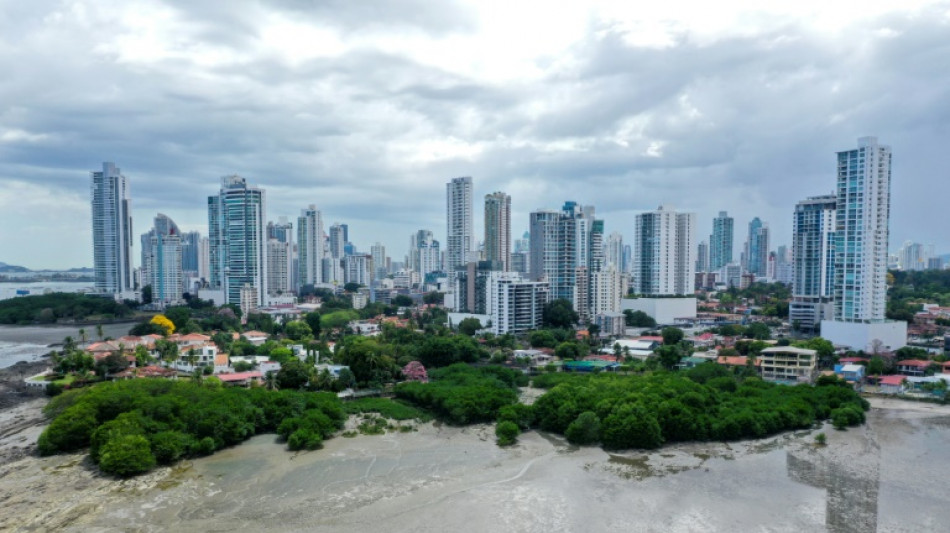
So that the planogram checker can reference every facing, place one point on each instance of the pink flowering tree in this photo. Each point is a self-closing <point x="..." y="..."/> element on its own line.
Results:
<point x="414" y="371"/>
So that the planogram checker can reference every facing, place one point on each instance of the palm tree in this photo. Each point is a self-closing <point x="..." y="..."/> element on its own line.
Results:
<point x="192" y="358"/>
<point x="270" y="380"/>
<point x="82" y="335"/>
<point x="99" y="331"/>
<point x="69" y="344"/>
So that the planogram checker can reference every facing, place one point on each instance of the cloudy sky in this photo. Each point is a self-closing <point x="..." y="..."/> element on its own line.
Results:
<point x="366" y="109"/>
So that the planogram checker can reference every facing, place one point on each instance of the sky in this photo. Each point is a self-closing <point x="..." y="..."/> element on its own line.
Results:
<point x="367" y="109"/>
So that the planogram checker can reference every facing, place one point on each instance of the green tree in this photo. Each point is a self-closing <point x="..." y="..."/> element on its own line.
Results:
<point x="559" y="313"/>
<point x="351" y="287"/>
<point x="542" y="338"/>
<point x="507" y="433"/>
<point x="669" y="356"/>
<point x="638" y="319"/>
<point x="585" y="429"/>
<point x="298" y="330"/>
<point x="433" y="298"/>
<point x="671" y="336"/>
<point x="469" y="326"/>
<point x="99" y="333"/>
<point x="293" y="375"/>
<point x="313" y="320"/>
<point x="179" y="316"/>
<point x="758" y="331"/>
<point x="401" y="300"/>
<point x="126" y="455"/>
<point x="568" y="350"/>
<point x="876" y="366"/>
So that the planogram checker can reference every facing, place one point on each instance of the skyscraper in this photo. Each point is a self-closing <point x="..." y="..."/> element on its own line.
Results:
<point x="310" y="246"/>
<point x="279" y="267"/>
<point x="861" y="239"/>
<point x="720" y="242"/>
<point x="498" y="229"/>
<point x="458" y="222"/>
<point x="337" y="240"/>
<point x="190" y="252"/>
<point x="111" y="230"/>
<point x="424" y="255"/>
<point x="380" y="261"/>
<point x="757" y="248"/>
<point x="702" y="257"/>
<point x="560" y="242"/>
<point x="614" y="253"/>
<point x="664" y="253"/>
<point x="813" y="249"/>
<point x="162" y="261"/>
<point x="236" y="230"/>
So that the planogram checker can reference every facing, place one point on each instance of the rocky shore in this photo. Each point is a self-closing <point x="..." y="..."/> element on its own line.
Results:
<point x="13" y="391"/>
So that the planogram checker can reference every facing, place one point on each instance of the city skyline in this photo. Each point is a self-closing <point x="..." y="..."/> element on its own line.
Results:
<point x="370" y="111"/>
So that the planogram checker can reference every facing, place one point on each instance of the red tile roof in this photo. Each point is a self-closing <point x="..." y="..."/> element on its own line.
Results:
<point x="239" y="376"/>
<point x="892" y="380"/>
<point x="914" y="362"/>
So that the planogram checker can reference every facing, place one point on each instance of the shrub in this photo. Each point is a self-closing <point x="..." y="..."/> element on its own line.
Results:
<point x="821" y="439"/>
<point x="169" y="446"/>
<point x="126" y="455"/>
<point x="507" y="433"/>
<point x="304" y="439"/>
<point x="519" y="413"/>
<point x="585" y="429"/>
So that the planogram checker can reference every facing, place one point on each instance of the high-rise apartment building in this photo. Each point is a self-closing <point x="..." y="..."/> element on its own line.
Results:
<point x="516" y="305"/>
<point x="190" y="252"/>
<point x="498" y="229"/>
<point x="424" y="254"/>
<point x="861" y="239"/>
<point x="561" y="241"/>
<point x="664" y="252"/>
<point x="111" y="230"/>
<point x="757" y="248"/>
<point x="915" y="256"/>
<point x="337" y="241"/>
<point x="458" y="222"/>
<point x="702" y="257"/>
<point x="279" y="268"/>
<point x="380" y="261"/>
<point x="310" y="246"/>
<point x="162" y="261"/>
<point x="813" y="251"/>
<point x="720" y="242"/>
<point x="238" y="243"/>
<point x="614" y="251"/>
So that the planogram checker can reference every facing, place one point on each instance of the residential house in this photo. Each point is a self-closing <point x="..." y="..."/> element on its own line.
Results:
<point x="892" y="384"/>
<point x="912" y="367"/>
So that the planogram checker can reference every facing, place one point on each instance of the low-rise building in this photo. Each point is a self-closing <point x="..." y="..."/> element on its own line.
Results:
<point x="787" y="364"/>
<point x="912" y="367"/>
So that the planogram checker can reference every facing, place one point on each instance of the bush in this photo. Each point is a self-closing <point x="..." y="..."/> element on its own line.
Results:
<point x="169" y="446"/>
<point x="304" y="439"/>
<point x="821" y="439"/>
<point x="205" y="446"/>
<point x="519" y="413"/>
<point x="53" y="389"/>
<point x="126" y="455"/>
<point x="507" y="433"/>
<point x="585" y="429"/>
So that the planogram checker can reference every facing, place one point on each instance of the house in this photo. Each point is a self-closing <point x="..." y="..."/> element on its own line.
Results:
<point x="365" y="327"/>
<point x="241" y="379"/>
<point x="912" y="367"/>
<point x="222" y="363"/>
<point x="99" y="350"/>
<point x="850" y="372"/>
<point x="536" y="358"/>
<point x="255" y="337"/>
<point x="194" y="357"/>
<point x="268" y="366"/>
<point x="334" y="370"/>
<point x="734" y="361"/>
<point x="641" y="348"/>
<point x="920" y="384"/>
<point x="892" y="384"/>
<point x="787" y="364"/>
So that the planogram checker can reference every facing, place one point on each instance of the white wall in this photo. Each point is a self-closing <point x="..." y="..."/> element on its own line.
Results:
<point x="663" y="310"/>
<point x="859" y="336"/>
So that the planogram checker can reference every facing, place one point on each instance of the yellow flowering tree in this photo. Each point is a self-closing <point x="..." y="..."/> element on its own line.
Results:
<point x="163" y="322"/>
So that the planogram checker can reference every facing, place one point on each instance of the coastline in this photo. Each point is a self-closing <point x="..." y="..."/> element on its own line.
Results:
<point x="400" y="478"/>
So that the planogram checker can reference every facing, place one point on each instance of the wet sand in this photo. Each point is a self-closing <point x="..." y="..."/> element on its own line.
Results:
<point x="887" y="476"/>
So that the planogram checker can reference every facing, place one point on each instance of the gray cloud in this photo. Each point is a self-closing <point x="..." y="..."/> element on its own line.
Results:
<point x="747" y="123"/>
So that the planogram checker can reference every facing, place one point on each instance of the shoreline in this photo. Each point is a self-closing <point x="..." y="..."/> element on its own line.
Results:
<point x="375" y="474"/>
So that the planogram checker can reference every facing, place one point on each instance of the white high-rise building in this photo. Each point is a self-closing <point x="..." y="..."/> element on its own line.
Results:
<point x="702" y="257"/>
<point x="458" y="221"/>
<point x="664" y="252"/>
<point x="380" y="261"/>
<point x="424" y="255"/>
<point x="561" y="242"/>
<point x="498" y="229"/>
<point x="337" y="241"/>
<point x="915" y="256"/>
<point x="279" y="268"/>
<point x="310" y="246"/>
<point x="111" y="230"/>
<point x="358" y="268"/>
<point x="204" y="258"/>
<point x="861" y="239"/>
<point x="608" y="287"/>
<point x="614" y="252"/>
<point x="162" y="261"/>
<point x="238" y="245"/>
<point x="516" y="306"/>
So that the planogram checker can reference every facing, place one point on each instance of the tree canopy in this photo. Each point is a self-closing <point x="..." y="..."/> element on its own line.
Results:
<point x="559" y="314"/>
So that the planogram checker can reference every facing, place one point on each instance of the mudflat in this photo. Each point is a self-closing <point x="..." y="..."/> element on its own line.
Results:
<point x="888" y="475"/>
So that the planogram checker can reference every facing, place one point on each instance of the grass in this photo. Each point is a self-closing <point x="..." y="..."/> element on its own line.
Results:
<point x="392" y="409"/>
